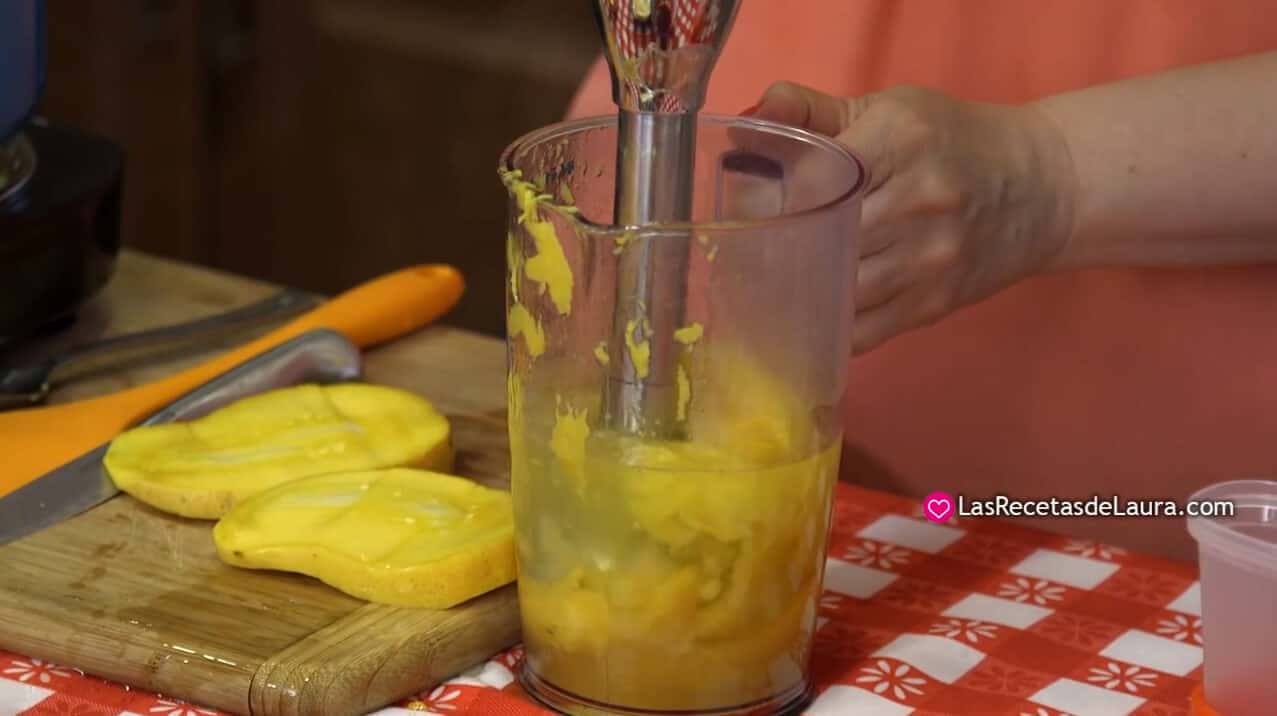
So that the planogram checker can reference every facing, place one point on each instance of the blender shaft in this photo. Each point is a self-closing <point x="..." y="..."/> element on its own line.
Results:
<point x="655" y="154"/>
<point x="655" y="171"/>
<point x="660" y="54"/>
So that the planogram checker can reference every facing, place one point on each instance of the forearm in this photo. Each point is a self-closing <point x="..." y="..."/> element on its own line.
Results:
<point x="1173" y="169"/>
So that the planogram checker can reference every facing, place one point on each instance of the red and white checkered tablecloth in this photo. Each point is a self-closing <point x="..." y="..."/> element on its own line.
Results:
<point x="973" y="617"/>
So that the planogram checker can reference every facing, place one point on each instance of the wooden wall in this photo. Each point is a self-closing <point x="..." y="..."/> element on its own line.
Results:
<point x="319" y="142"/>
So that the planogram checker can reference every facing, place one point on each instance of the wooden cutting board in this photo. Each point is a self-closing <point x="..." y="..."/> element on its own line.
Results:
<point x="133" y="595"/>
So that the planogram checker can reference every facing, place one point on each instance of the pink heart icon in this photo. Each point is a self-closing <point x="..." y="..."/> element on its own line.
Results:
<point x="938" y="506"/>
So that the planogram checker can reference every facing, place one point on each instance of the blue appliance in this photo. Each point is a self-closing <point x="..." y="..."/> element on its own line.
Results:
<point x="22" y="62"/>
<point x="60" y="191"/>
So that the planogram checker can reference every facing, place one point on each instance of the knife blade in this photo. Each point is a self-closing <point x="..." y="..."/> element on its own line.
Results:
<point x="321" y="356"/>
<point x="35" y="441"/>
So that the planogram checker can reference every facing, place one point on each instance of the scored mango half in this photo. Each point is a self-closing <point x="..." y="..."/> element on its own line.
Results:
<point x="404" y="537"/>
<point x="204" y="467"/>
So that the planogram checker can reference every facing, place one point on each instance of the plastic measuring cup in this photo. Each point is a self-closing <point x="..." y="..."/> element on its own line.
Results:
<point x="664" y="575"/>
<point x="1238" y="563"/>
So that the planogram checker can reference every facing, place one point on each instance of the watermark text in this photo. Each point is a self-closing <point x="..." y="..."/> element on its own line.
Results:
<point x="940" y="506"/>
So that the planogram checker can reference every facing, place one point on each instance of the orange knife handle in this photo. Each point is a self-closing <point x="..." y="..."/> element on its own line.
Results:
<point x="386" y="307"/>
<point x="41" y="439"/>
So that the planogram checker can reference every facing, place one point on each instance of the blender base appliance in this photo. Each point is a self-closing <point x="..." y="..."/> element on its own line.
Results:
<point x="59" y="226"/>
<point x="60" y="191"/>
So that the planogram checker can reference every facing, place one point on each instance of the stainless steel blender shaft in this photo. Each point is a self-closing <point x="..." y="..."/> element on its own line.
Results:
<point x="653" y="186"/>
<point x="661" y="53"/>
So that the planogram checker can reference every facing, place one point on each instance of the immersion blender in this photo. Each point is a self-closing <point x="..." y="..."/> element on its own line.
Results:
<point x="660" y="53"/>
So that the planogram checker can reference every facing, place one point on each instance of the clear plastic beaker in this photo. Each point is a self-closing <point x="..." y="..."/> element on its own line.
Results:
<point x="679" y="572"/>
<point x="1238" y="564"/>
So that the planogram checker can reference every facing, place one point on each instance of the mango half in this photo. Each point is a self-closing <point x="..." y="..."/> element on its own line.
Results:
<point x="204" y="467"/>
<point x="405" y="537"/>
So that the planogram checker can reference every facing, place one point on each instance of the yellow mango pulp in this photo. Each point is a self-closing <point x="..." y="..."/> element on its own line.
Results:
<point x="675" y="575"/>
<point x="202" y="468"/>
<point x="548" y="267"/>
<point x="398" y="536"/>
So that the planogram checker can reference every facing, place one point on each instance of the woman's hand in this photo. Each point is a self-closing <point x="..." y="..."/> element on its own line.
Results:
<point x="965" y="199"/>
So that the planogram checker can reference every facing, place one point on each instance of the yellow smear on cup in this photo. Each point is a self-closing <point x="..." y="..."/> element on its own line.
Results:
<point x="640" y="350"/>
<point x="549" y="267"/>
<point x="514" y="395"/>
<point x="689" y="334"/>
<point x="521" y="321"/>
<point x="567" y="442"/>
<point x="565" y="194"/>
<point x="514" y="261"/>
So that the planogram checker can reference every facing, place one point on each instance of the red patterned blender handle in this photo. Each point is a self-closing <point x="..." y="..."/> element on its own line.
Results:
<point x="662" y="51"/>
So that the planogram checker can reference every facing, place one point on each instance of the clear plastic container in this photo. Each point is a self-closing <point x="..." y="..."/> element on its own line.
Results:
<point x="679" y="573"/>
<point x="1238" y="563"/>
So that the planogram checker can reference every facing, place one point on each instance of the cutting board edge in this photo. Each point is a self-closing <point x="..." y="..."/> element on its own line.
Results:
<point x="312" y="678"/>
<point x="231" y="694"/>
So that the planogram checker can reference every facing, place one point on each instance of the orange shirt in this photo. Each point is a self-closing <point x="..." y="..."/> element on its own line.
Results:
<point x="1142" y="383"/>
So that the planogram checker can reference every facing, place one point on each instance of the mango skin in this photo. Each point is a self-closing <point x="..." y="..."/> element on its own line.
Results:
<point x="403" y="537"/>
<point x="204" y="467"/>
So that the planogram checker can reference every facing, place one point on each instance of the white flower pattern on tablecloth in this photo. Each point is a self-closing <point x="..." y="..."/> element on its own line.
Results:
<point x="1131" y="678"/>
<point x="491" y="674"/>
<point x="874" y="554"/>
<point x="1181" y="628"/>
<point x="881" y="678"/>
<point x="36" y="671"/>
<point x="442" y="699"/>
<point x="972" y="631"/>
<point x="1037" y="591"/>
<point x="178" y="708"/>
<point x="1095" y="550"/>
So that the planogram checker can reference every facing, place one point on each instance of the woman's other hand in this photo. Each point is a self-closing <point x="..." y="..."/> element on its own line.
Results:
<point x="965" y="199"/>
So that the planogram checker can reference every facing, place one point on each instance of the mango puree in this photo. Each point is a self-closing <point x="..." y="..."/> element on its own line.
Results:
<point x="672" y="575"/>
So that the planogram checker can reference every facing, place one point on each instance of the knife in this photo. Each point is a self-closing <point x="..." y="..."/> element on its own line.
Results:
<point x="37" y="441"/>
<point x="321" y="356"/>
